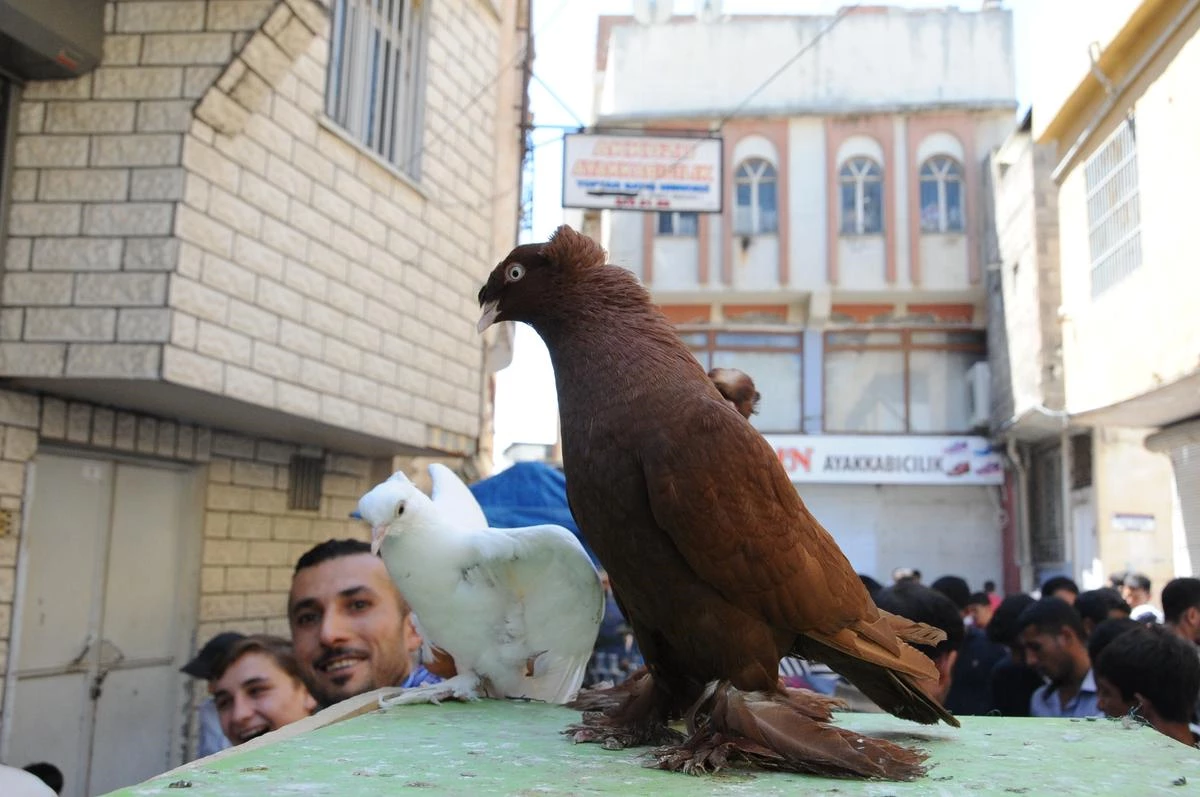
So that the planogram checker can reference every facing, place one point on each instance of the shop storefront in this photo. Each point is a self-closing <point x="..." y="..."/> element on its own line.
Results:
<point x="928" y="502"/>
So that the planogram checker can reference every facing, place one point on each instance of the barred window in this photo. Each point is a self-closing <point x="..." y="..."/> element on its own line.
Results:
<point x="376" y="76"/>
<point x="1114" y="210"/>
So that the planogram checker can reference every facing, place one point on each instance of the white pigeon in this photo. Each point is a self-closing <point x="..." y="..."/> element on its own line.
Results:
<point x="517" y="609"/>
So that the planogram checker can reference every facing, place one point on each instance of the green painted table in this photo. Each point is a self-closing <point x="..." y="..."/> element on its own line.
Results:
<point x="497" y="747"/>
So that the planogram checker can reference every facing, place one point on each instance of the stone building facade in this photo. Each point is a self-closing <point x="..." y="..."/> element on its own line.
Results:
<point x="209" y="270"/>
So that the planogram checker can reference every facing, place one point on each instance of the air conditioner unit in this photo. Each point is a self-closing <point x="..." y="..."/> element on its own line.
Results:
<point x="979" y="389"/>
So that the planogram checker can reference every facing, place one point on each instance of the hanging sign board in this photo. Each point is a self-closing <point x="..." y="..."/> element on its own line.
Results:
<point x="616" y="172"/>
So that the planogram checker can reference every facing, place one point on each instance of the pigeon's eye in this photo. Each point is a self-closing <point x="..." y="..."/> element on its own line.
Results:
<point x="399" y="509"/>
<point x="515" y="272"/>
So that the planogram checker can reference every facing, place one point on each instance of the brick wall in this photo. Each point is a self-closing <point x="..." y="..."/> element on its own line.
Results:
<point x="251" y="539"/>
<point x="187" y="214"/>
<point x="96" y="176"/>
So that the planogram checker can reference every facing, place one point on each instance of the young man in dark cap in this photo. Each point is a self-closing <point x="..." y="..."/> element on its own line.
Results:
<point x="203" y="666"/>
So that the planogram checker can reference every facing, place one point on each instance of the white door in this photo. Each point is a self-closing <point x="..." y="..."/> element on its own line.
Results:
<point x="107" y="609"/>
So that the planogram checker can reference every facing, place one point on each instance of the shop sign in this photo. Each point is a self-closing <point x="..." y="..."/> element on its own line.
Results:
<point x="653" y="173"/>
<point x="888" y="459"/>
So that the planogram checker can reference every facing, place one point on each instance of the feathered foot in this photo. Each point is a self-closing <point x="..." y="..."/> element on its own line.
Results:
<point x="625" y="715"/>
<point x="607" y="696"/>
<point x="464" y="686"/>
<point x="787" y="731"/>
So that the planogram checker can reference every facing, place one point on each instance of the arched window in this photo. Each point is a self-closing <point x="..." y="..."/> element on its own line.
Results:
<point x="861" y="181"/>
<point x="941" y="195"/>
<point x="757" y="207"/>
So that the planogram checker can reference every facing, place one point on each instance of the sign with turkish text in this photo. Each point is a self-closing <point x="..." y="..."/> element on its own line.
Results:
<point x="655" y="173"/>
<point x="890" y="459"/>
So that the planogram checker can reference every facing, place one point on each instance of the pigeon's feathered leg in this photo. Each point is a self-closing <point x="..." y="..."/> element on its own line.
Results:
<point x="464" y="686"/>
<point x="630" y="714"/>
<point x="787" y="730"/>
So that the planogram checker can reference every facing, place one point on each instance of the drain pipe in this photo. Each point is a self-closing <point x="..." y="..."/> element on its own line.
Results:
<point x="1024" y="554"/>
<point x="1070" y="549"/>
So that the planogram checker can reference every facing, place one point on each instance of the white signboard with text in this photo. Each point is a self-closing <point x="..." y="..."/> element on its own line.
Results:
<point x="617" y="172"/>
<point x="867" y="459"/>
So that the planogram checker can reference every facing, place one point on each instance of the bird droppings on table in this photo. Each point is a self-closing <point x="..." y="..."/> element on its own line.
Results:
<point x="254" y="769"/>
<point x="1180" y="781"/>
<point x="180" y="784"/>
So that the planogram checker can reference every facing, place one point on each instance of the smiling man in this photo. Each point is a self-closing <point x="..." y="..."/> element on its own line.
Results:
<point x="351" y="629"/>
<point x="257" y="688"/>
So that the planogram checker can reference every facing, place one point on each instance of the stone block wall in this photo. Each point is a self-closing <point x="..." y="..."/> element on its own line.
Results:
<point x="187" y="213"/>
<point x="96" y="177"/>
<point x="251" y="539"/>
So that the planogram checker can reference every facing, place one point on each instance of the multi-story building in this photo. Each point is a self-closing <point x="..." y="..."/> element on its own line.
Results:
<point x="1112" y="135"/>
<point x="242" y="246"/>
<point x="844" y="270"/>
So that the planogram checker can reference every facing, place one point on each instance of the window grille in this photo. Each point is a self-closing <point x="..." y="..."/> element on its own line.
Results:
<point x="1114" y="210"/>
<point x="305" y="476"/>
<point x="376" y="76"/>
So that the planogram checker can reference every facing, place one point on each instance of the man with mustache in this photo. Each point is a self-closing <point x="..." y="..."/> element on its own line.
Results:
<point x="352" y="631"/>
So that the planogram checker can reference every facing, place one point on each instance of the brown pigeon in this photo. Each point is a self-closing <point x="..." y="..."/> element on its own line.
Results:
<point x="717" y="564"/>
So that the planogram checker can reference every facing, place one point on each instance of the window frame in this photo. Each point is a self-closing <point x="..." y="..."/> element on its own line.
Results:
<point x="1108" y="171"/>
<point x="375" y="78"/>
<point x="768" y="172"/>
<point x="675" y="216"/>
<point x="905" y="345"/>
<point x="710" y="346"/>
<point x="951" y="171"/>
<point x="849" y="173"/>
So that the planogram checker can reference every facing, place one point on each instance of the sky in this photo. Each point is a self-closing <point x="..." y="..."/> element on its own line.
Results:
<point x="561" y="95"/>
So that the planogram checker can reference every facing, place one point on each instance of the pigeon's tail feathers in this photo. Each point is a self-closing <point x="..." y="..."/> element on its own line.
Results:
<point x="896" y="683"/>
<point x="913" y="633"/>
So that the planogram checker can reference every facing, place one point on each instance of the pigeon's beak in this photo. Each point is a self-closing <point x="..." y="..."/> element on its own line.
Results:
<point x="490" y="311"/>
<point x="377" y="535"/>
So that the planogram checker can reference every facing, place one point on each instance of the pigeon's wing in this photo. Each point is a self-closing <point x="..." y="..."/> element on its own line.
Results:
<point x="740" y="525"/>
<point x="716" y="487"/>
<point x="456" y="504"/>
<point x="555" y="605"/>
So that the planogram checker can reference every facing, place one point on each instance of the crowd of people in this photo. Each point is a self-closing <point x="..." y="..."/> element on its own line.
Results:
<point x="1058" y="653"/>
<point x="1064" y="653"/>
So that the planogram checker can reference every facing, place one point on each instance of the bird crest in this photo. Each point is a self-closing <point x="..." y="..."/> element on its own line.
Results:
<point x="566" y="246"/>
